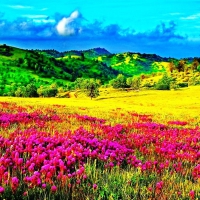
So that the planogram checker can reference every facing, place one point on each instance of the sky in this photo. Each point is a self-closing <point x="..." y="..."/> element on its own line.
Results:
<point x="169" y="28"/>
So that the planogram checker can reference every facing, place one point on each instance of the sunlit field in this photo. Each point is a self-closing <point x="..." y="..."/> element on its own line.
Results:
<point x="121" y="145"/>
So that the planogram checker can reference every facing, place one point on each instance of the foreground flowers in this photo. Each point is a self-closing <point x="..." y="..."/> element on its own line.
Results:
<point x="50" y="153"/>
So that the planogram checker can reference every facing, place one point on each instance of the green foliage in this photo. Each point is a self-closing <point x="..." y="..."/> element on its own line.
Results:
<point x="164" y="83"/>
<point x="134" y="82"/>
<point x="29" y="91"/>
<point x="79" y="83"/>
<point x="92" y="88"/>
<point x="89" y="86"/>
<point x="119" y="82"/>
<point x="88" y="68"/>
<point x="182" y="84"/>
<point x="19" y="68"/>
<point x="47" y="91"/>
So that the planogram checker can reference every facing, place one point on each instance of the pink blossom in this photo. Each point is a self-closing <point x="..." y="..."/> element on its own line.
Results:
<point x="53" y="188"/>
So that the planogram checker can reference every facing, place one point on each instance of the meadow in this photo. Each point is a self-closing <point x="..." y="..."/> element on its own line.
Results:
<point x="121" y="145"/>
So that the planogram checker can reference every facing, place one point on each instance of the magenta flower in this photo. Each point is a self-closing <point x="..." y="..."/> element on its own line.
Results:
<point x="95" y="186"/>
<point x="1" y="190"/>
<point x="25" y="193"/>
<point x="44" y="186"/>
<point x="192" y="194"/>
<point x="14" y="183"/>
<point x="53" y="188"/>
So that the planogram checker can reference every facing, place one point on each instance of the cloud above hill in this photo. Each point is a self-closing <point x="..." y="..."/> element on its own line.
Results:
<point x="80" y="33"/>
<point x="67" y="25"/>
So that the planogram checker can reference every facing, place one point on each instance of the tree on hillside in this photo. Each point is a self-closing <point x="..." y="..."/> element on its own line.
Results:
<point x="92" y="88"/>
<point x="79" y="83"/>
<point x="195" y="64"/>
<point x="88" y="86"/>
<point x="119" y="82"/>
<point x="47" y="91"/>
<point x="134" y="82"/>
<point x="20" y="92"/>
<point x="181" y="65"/>
<point x="164" y="82"/>
<point x="171" y="67"/>
<point x="31" y="90"/>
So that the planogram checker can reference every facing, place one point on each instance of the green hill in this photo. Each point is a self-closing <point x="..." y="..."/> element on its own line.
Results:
<point x="19" y="67"/>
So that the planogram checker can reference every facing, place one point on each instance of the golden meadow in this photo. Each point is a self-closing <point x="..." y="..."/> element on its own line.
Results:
<point x="121" y="145"/>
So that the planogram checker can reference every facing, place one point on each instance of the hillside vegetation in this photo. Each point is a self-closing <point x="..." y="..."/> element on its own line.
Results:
<point x="49" y="72"/>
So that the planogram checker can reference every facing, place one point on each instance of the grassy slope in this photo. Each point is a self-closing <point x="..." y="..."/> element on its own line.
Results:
<point x="10" y="63"/>
<point x="50" y="63"/>
<point x="126" y="63"/>
<point x="95" y="63"/>
<point x="181" y="104"/>
<point x="136" y="63"/>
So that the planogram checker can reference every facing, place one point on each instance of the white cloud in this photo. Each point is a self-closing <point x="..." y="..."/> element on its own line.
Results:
<point x="20" y="7"/>
<point x="64" y="25"/>
<point x="43" y="9"/>
<point x="176" y="13"/>
<point x="44" y="20"/>
<point x="191" y="17"/>
<point x="35" y="16"/>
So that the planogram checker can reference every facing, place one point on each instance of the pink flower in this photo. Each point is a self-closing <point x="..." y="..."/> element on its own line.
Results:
<point x="44" y="186"/>
<point x="25" y="193"/>
<point x="95" y="186"/>
<point x="1" y="190"/>
<point x="192" y="194"/>
<point x="159" y="185"/>
<point x="84" y="176"/>
<point x="14" y="182"/>
<point x="53" y="188"/>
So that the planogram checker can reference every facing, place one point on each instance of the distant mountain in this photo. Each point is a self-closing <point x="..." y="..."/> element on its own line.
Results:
<point x="91" y="53"/>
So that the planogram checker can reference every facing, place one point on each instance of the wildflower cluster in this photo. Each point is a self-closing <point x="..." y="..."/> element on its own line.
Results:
<point x="53" y="153"/>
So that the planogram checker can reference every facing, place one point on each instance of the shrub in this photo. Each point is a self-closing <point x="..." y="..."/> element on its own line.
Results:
<point x="164" y="83"/>
<point x="182" y="84"/>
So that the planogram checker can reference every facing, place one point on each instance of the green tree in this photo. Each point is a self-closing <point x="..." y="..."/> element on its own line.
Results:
<point x="88" y="86"/>
<point x="91" y="88"/>
<point x="164" y="83"/>
<point x="31" y="90"/>
<point x="119" y="82"/>
<point x="134" y="82"/>
<point x="129" y="81"/>
<point x="79" y="83"/>
<point x="47" y="91"/>
<point x="20" y="92"/>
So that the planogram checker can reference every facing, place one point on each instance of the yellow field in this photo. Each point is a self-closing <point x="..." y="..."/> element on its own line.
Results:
<point x="88" y="141"/>
<point x="179" y="104"/>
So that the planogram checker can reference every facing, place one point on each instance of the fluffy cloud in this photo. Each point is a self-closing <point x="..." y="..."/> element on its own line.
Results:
<point x="20" y="7"/>
<point x="191" y="17"/>
<point x="66" y="25"/>
<point x="45" y="32"/>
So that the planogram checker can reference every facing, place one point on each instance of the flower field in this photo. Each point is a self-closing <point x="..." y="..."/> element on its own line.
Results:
<point x="57" y="152"/>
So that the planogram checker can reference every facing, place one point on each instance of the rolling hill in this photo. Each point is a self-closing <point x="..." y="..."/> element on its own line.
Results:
<point x="19" y="67"/>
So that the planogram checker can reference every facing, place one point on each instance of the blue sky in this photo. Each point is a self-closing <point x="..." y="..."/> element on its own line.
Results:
<point x="169" y="28"/>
